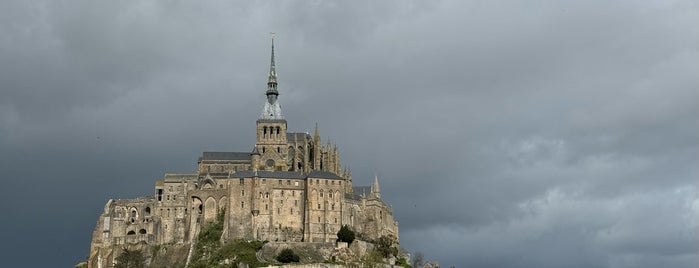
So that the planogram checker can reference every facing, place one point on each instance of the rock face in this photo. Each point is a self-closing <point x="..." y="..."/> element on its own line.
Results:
<point x="289" y="188"/>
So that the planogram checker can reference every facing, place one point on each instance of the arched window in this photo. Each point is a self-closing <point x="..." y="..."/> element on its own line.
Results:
<point x="321" y="193"/>
<point x="131" y="233"/>
<point x="142" y="231"/>
<point x="147" y="211"/>
<point x="264" y="131"/>
<point x="133" y="213"/>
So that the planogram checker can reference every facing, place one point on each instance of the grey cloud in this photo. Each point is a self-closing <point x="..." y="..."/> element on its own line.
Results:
<point x="512" y="134"/>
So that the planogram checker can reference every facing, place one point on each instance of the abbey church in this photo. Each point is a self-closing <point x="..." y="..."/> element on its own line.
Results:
<point x="290" y="187"/>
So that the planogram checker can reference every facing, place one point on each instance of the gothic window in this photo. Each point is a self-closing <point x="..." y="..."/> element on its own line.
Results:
<point x="279" y="150"/>
<point x="263" y="150"/>
<point x="321" y="193"/>
<point x="133" y="213"/>
<point x="242" y="204"/>
<point x="330" y="194"/>
<point x="147" y="211"/>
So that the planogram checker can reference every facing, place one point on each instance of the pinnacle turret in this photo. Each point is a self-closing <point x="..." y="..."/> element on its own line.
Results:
<point x="375" y="190"/>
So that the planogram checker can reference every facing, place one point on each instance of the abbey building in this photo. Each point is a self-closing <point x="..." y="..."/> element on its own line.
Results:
<point x="289" y="188"/>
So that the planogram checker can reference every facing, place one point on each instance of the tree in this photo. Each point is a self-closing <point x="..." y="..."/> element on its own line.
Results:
<point x="287" y="255"/>
<point x="130" y="259"/>
<point x="345" y="234"/>
<point x="384" y="245"/>
<point x="418" y="259"/>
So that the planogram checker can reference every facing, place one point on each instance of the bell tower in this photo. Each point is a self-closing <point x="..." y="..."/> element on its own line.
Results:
<point x="271" y="127"/>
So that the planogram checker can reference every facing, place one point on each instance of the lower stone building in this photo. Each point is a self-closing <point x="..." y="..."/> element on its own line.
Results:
<point x="288" y="188"/>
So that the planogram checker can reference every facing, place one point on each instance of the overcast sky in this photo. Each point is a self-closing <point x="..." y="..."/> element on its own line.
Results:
<point x="504" y="133"/>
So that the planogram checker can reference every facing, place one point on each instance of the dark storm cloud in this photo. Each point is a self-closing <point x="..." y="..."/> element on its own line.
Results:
<point x="512" y="134"/>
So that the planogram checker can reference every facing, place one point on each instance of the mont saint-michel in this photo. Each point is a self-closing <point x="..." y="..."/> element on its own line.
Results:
<point x="289" y="190"/>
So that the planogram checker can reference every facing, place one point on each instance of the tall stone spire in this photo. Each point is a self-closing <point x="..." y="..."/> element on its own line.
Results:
<point x="272" y="80"/>
<point x="272" y="109"/>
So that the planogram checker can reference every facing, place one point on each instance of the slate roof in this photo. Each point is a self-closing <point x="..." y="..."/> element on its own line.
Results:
<point x="269" y="174"/>
<point x="323" y="175"/>
<point x="361" y="190"/>
<point x="299" y="136"/>
<point x="225" y="156"/>
<point x="285" y="174"/>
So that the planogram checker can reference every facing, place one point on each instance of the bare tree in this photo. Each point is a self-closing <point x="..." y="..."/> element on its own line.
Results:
<point x="417" y="259"/>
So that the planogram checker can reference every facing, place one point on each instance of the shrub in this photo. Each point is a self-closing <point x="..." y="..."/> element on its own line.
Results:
<point x="345" y="234"/>
<point x="130" y="259"/>
<point x="287" y="256"/>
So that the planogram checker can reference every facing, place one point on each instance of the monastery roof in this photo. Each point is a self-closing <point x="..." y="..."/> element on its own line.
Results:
<point x="361" y="190"/>
<point x="323" y="175"/>
<point x="225" y="156"/>
<point x="285" y="174"/>
<point x="268" y="174"/>
<point x="299" y="136"/>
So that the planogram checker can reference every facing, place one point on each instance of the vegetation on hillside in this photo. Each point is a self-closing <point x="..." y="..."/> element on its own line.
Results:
<point x="287" y="255"/>
<point x="210" y="252"/>
<point x="130" y="259"/>
<point x="345" y="234"/>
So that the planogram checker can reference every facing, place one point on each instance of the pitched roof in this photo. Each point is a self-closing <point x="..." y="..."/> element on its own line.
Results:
<point x="269" y="174"/>
<point x="225" y="156"/>
<point x="361" y="190"/>
<point x="298" y="136"/>
<point x="323" y="175"/>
